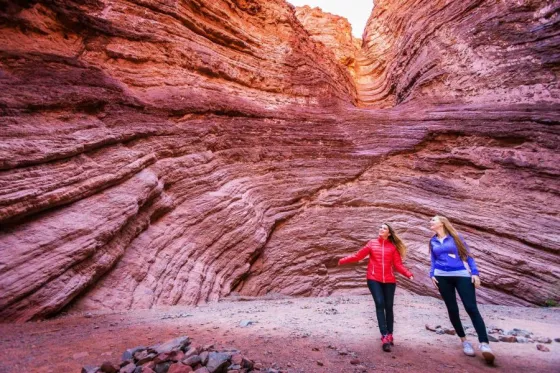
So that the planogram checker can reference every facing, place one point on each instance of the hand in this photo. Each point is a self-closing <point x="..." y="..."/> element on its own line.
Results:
<point x="411" y="277"/>
<point x="435" y="281"/>
<point x="475" y="280"/>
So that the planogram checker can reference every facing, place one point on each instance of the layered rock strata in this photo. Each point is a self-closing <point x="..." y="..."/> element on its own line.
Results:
<point x="332" y="31"/>
<point x="474" y="51"/>
<point x="164" y="153"/>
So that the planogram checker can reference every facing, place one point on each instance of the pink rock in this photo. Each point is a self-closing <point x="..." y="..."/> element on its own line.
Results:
<point x="179" y="368"/>
<point x="334" y="32"/>
<point x="237" y="359"/>
<point x="543" y="348"/>
<point x="264" y="128"/>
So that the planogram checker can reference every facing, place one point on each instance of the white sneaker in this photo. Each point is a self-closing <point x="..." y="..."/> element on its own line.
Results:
<point x="487" y="352"/>
<point x="468" y="348"/>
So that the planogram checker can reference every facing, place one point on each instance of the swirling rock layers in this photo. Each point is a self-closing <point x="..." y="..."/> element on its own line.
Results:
<point x="163" y="153"/>
<point x="474" y="51"/>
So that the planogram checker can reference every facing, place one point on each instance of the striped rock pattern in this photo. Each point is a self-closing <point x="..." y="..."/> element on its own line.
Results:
<point x="164" y="153"/>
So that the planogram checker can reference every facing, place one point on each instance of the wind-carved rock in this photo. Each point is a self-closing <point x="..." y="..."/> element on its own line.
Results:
<point x="157" y="154"/>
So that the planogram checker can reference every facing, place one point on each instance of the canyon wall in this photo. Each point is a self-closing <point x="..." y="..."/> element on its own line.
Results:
<point x="332" y="31"/>
<point x="473" y="51"/>
<point x="168" y="153"/>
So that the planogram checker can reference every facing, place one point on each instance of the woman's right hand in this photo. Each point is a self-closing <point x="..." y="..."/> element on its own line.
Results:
<point x="434" y="280"/>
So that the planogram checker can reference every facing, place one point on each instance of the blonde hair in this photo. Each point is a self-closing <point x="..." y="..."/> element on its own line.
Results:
<point x="463" y="253"/>
<point x="396" y="240"/>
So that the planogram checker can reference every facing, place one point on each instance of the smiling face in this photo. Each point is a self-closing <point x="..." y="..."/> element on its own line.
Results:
<point x="384" y="231"/>
<point x="435" y="224"/>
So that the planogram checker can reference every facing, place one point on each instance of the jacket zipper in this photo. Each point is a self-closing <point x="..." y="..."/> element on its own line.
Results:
<point x="383" y="259"/>
<point x="373" y="266"/>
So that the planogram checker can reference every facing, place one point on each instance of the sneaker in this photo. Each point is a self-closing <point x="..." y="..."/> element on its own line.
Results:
<point x="487" y="352"/>
<point x="390" y="338"/>
<point x="385" y="344"/>
<point x="468" y="348"/>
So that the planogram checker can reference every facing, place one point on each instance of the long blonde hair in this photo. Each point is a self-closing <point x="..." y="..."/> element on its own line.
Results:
<point x="396" y="240"/>
<point x="463" y="253"/>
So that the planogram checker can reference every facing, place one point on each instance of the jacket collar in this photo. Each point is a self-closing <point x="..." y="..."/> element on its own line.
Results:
<point x="435" y="237"/>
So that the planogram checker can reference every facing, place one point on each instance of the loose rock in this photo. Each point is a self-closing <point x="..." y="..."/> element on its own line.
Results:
<point x="217" y="361"/>
<point x="508" y="338"/>
<point x="543" y="348"/>
<point x="179" y="368"/>
<point x="491" y="338"/>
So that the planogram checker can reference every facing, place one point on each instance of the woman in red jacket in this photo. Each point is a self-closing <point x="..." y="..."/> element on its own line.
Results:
<point x="385" y="252"/>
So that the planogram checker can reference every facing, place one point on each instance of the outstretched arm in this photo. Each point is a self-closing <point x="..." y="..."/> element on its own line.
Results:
<point x="361" y="254"/>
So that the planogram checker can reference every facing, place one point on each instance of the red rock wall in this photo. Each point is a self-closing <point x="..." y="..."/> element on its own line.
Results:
<point x="334" y="32"/>
<point x="473" y="51"/>
<point x="169" y="153"/>
<point x="139" y="132"/>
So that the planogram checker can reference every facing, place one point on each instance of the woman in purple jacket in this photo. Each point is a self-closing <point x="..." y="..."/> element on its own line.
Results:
<point x="449" y="272"/>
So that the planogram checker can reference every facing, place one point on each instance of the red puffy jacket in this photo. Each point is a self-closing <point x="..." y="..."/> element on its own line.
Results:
<point x="383" y="255"/>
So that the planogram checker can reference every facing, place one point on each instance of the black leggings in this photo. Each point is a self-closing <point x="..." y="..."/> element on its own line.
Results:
<point x="383" y="296"/>
<point x="465" y="288"/>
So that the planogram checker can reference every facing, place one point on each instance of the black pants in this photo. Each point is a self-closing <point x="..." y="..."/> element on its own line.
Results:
<point x="465" y="288"/>
<point x="383" y="296"/>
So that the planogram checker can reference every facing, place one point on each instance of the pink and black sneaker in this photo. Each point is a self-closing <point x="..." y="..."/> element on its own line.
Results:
<point x="385" y="344"/>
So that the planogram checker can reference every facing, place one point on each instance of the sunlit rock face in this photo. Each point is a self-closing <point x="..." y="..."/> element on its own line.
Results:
<point x="164" y="153"/>
<point x="334" y="32"/>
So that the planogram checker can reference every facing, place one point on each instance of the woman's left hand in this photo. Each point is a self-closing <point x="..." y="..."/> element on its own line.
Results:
<point x="475" y="281"/>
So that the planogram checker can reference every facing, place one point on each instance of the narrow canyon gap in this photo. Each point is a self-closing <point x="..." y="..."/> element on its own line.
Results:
<point x="170" y="153"/>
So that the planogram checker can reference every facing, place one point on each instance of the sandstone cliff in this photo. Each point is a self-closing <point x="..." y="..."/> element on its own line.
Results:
<point x="332" y="31"/>
<point x="161" y="153"/>
<point x="473" y="51"/>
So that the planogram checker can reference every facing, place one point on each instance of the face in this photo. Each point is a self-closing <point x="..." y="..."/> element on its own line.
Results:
<point x="384" y="231"/>
<point x="435" y="223"/>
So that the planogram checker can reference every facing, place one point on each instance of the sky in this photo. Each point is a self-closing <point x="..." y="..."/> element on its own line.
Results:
<point x="356" y="11"/>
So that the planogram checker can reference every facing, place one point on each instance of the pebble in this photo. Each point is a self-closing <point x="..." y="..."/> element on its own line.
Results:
<point x="449" y="331"/>
<point x="508" y="338"/>
<point x="491" y="338"/>
<point x="543" y="348"/>
<point x="431" y="328"/>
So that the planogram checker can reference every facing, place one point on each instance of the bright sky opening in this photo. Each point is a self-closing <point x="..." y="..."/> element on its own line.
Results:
<point x="356" y="11"/>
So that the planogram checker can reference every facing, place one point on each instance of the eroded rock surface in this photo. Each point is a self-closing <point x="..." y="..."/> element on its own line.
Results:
<point x="163" y="153"/>
<point x="334" y="32"/>
<point x="474" y="51"/>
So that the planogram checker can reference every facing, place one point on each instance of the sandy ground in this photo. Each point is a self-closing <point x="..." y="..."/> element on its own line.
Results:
<point x="293" y="333"/>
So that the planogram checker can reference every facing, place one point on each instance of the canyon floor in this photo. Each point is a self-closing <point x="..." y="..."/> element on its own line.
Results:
<point x="291" y="334"/>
